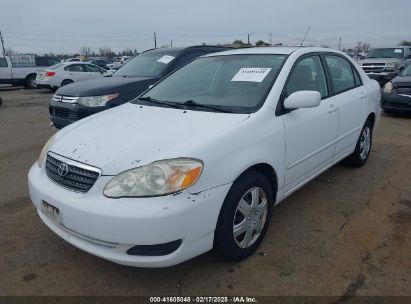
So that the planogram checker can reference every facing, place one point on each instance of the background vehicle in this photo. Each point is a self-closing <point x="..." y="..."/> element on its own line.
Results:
<point x="66" y="73"/>
<point x="383" y="64"/>
<point x="125" y="84"/>
<point x="21" y="69"/>
<point x="72" y="60"/>
<point x="200" y="159"/>
<point x="102" y="63"/>
<point x="396" y="96"/>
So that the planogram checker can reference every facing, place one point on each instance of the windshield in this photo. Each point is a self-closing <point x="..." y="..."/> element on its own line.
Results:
<point x="386" y="53"/>
<point x="406" y="71"/>
<point x="148" y="64"/>
<point x="237" y="83"/>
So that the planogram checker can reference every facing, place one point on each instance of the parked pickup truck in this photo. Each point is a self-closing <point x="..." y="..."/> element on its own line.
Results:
<point x="383" y="64"/>
<point x="21" y="69"/>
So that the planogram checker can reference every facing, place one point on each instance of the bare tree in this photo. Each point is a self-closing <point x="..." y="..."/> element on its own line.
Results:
<point x="85" y="50"/>
<point x="405" y="43"/>
<point x="105" y="51"/>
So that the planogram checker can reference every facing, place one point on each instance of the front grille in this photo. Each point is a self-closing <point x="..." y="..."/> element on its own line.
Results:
<point x="63" y="113"/>
<point x="67" y="99"/>
<point x="373" y="67"/>
<point x="77" y="178"/>
<point x="403" y="90"/>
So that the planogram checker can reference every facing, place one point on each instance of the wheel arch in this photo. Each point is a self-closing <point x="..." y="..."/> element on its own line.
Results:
<point x="66" y="79"/>
<point x="268" y="172"/>
<point x="371" y="118"/>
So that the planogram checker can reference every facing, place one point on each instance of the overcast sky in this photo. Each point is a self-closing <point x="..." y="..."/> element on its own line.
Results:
<point x="63" y="26"/>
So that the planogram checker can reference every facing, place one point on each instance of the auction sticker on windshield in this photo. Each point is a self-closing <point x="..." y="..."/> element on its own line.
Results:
<point x="398" y="51"/>
<point x="165" y="59"/>
<point x="251" y="74"/>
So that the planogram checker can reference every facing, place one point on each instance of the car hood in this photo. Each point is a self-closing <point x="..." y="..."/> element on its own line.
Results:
<point x="105" y="85"/>
<point x="401" y="80"/>
<point x="379" y="60"/>
<point x="131" y="135"/>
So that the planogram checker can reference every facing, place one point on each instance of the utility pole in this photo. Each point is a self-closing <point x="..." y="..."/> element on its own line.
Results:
<point x="271" y="36"/>
<point x="155" y="40"/>
<point x="339" y="44"/>
<point x="248" y="38"/>
<point x="2" y="44"/>
<point x="171" y="43"/>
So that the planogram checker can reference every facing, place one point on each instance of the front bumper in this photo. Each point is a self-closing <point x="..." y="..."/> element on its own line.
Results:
<point x="395" y="103"/>
<point x="109" y="227"/>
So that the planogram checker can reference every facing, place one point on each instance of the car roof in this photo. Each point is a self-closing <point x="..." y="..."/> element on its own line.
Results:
<point x="177" y="50"/>
<point x="280" y="50"/>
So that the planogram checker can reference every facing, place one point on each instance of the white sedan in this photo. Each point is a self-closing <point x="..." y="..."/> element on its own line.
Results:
<point x="200" y="159"/>
<point x="65" y="73"/>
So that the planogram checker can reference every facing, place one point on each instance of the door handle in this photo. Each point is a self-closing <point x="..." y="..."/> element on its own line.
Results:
<point x="332" y="108"/>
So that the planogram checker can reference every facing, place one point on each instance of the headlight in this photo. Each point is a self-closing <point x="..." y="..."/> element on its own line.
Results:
<point x="388" y="87"/>
<point x="44" y="151"/>
<point x="391" y="66"/>
<point x="96" y="101"/>
<point x="155" y="179"/>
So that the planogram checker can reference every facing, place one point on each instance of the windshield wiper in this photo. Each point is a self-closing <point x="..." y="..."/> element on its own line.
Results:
<point x="161" y="102"/>
<point x="192" y="103"/>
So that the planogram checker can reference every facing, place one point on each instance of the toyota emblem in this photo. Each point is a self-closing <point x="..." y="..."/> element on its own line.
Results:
<point x="63" y="169"/>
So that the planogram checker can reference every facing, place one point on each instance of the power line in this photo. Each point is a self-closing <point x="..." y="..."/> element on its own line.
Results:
<point x="2" y="44"/>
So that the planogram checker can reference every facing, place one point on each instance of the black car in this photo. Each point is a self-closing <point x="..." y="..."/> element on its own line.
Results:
<point x="396" y="96"/>
<point x="78" y="100"/>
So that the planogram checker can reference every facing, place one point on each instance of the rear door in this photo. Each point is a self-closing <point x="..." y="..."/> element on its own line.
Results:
<point x="350" y="98"/>
<point x="310" y="133"/>
<point x="92" y="71"/>
<point x="76" y="72"/>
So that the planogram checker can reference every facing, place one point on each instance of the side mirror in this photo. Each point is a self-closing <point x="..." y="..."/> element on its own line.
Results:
<point x="303" y="99"/>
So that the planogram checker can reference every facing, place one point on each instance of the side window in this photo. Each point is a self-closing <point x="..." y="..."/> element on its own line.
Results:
<point x="74" y="68"/>
<point x="187" y="58"/>
<point x="3" y="63"/>
<point x="307" y="75"/>
<point x="357" y="77"/>
<point x="342" y="76"/>
<point x="92" y="68"/>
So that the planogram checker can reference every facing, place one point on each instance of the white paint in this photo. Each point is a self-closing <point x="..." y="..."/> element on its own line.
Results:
<point x="298" y="145"/>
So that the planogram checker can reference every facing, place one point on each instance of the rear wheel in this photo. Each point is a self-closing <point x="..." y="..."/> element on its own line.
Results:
<point x="363" y="146"/>
<point x="30" y="81"/>
<point x="244" y="217"/>
<point x="66" y="82"/>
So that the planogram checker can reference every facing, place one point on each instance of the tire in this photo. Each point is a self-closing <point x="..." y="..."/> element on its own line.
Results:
<point x="244" y="244"/>
<point x="66" y="82"/>
<point x="363" y="146"/>
<point x="1" y="101"/>
<point x="30" y="81"/>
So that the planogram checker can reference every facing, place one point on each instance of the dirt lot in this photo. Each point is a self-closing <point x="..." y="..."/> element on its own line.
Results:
<point x="346" y="233"/>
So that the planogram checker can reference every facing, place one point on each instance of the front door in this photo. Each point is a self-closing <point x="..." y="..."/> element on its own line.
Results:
<point x="310" y="133"/>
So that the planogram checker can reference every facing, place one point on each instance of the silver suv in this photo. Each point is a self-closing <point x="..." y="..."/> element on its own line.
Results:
<point x="383" y="64"/>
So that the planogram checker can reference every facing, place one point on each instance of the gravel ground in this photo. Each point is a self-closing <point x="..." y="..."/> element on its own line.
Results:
<point x="346" y="233"/>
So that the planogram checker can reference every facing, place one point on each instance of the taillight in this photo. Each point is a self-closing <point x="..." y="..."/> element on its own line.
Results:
<point x="50" y="73"/>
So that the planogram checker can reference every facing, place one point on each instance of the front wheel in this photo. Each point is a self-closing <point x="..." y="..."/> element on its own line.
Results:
<point x="244" y="217"/>
<point x="363" y="146"/>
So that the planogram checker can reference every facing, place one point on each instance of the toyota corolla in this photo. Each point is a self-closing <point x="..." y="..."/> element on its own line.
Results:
<point x="199" y="160"/>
